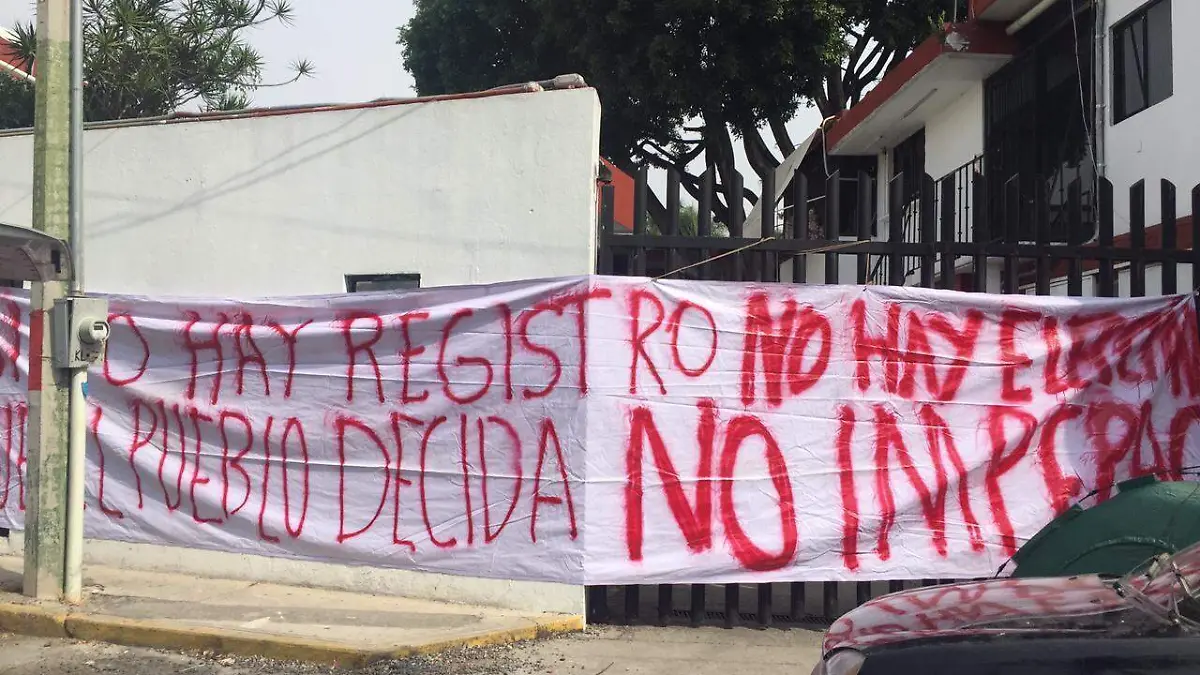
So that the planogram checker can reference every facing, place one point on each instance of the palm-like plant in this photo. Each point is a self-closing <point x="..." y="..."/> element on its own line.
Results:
<point x="150" y="57"/>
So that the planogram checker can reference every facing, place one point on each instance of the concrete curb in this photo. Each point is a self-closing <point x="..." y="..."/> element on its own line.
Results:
<point x="58" y="622"/>
<point x="33" y="620"/>
<point x="540" y="628"/>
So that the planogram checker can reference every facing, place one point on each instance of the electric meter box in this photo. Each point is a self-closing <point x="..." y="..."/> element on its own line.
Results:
<point x="79" y="331"/>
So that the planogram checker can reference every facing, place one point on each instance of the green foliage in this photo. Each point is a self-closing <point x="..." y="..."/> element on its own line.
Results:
<point x="880" y="33"/>
<point x="680" y="80"/>
<point x="150" y="57"/>
<point x="689" y="223"/>
<point x="654" y="64"/>
<point x="16" y="103"/>
<point x="466" y="45"/>
<point x="689" y="220"/>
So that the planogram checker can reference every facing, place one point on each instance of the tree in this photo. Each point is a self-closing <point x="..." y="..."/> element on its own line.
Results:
<point x="879" y="34"/>
<point x="689" y="223"/>
<point x="144" y="58"/>
<point x="16" y="103"/>
<point x="689" y="220"/>
<point x="731" y="63"/>
<point x="680" y="80"/>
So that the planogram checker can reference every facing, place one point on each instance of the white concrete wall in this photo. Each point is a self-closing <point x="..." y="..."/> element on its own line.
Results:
<point x="522" y="596"/>
<point x="1124" y="282"/>
<point x="467" y="191"/>
<point x="1162" y="141"/>
<point x="954" y="136"/>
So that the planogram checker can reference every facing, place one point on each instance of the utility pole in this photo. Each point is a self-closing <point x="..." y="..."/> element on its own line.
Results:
<point x="45" y="517"/>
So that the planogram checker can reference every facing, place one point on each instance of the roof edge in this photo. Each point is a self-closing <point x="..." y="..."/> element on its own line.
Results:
<point x="971" y="37"/>
<point x="560" y="83"/>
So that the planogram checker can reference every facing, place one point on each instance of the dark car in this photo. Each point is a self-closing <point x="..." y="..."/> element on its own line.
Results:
<point x="1145" y="622"/>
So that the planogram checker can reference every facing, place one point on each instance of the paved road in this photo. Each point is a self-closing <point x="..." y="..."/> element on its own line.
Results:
<point x="611" y="651"/>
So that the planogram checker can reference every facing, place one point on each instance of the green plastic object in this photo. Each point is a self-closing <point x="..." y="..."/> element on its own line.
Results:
<point x="1145" y="518"/>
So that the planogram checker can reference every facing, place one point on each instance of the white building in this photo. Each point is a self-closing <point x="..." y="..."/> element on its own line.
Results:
<point x="455" y="190"/>
<point x="466" y="189"/>
<point x="1023" y="98"/>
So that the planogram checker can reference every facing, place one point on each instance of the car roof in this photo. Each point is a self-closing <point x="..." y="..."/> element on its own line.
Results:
<point x="978" y="609"/>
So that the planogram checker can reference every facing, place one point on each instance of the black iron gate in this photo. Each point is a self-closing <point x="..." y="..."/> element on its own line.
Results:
<point x="921" y="242"/>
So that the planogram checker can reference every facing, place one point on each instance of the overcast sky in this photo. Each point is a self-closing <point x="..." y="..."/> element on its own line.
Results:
<point x="354" y="50"/>
<point x="355" y="55"/>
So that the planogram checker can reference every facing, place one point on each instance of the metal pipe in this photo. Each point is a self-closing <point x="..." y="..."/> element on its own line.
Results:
<point x="77" y="404"/>
<point x="76" y="185"/>
<point x="1028" y="17"/>
<point x="76" y="456"/>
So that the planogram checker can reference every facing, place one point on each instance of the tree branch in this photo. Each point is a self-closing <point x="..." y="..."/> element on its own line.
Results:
<point x="693" y="186"/>
<point x="666" y="159"/>
<point x="858" y="67"/>
<point x="833" y="84"/>
<point x="822" y="102"/>
<point x="782" y="138"/>
<point x="860" y="45"/>
<point x="877" y="67"/>
<point x="760" y="156"/>
<point x="721" y="156"/>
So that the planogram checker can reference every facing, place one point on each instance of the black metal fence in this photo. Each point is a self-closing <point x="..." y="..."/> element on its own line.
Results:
<point x="964" y="187"/>
<point x="948" y="239"/>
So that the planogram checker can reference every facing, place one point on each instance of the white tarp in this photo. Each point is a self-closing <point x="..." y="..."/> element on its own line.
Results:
<point x="611" y="430"/>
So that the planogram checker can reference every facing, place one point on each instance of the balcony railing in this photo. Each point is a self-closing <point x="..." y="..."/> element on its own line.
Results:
<point x="973" y="207"/>
<point x="954" y="203"/>
<point x="966" y="188"/>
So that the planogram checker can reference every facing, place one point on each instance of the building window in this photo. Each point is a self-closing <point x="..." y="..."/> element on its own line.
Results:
<point x="1038" y="138"/>
<point x="908" y="167"/>
<point x="908" y="164"/>
<point x="1142" y="69"/>
<point x="366" y="283"/>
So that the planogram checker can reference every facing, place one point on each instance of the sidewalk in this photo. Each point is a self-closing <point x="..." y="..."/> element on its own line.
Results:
<point x="178" y="612"/>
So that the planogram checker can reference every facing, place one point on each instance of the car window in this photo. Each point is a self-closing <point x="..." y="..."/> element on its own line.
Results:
<point x="1109" y="666"/>
<point x="1056" y="656"/>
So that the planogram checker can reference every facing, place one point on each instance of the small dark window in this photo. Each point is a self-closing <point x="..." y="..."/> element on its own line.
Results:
<point x="852" y="169"/>
<point x="366" y="283"/>
<point x="1142" y="68"/>
<point x="908" y="163"/>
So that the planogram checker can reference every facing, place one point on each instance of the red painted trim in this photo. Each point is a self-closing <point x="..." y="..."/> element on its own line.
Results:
<point x="183" y="116"/>
<point x="984" y="38"/>
<point x="37" y="323"/>
<point x="10" y="57"/>
<point x="623" y="188"/>
<point x="1154" y="236"/>
<point x="179" y="117"/>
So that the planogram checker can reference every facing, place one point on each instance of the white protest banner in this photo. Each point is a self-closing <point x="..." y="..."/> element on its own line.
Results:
<point x="772" y="433"/>
<point x="616" y="430"/>
<point x="441" y="430"/>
